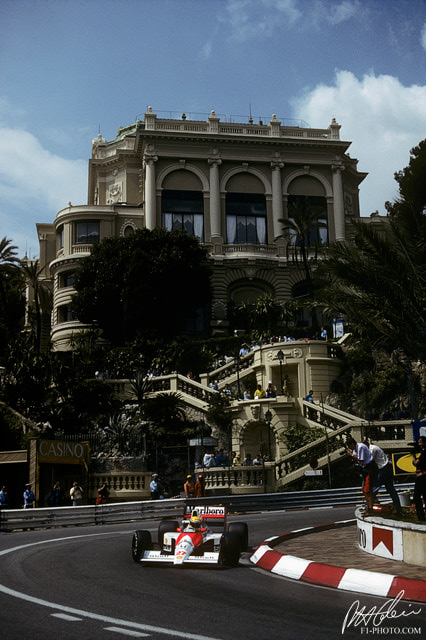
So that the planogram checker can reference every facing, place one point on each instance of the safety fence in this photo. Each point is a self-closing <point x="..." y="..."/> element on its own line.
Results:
<point x="45" y="518"/>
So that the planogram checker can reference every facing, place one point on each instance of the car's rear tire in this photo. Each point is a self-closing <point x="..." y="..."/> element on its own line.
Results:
<point x="166" y="526"/>
<point x="141" y="542"/>
<point x="240" y="529"/>
<point x="229" y="553"/>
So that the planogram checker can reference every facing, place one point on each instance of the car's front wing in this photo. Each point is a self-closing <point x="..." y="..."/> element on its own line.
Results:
<point x="209" y="557"/>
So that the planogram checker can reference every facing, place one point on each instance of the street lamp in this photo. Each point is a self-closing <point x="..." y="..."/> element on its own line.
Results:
<point x="268" y="420"/>
<point x="280" y="357"/>
<point x="237" y="364"/>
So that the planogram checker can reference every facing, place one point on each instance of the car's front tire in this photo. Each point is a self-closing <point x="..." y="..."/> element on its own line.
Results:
<point x="141" y="542"/>
<point x="229" y="553"/>
<point x="240" y="529"/>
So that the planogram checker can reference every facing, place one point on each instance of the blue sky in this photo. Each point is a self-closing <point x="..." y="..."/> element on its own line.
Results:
<point x="69" y="68"/>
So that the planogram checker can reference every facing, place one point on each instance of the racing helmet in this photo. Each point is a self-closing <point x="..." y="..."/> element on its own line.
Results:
<point x="195" y="522"/>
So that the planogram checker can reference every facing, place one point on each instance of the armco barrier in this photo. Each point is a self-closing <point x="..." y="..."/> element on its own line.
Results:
<point x="45" y="518"/>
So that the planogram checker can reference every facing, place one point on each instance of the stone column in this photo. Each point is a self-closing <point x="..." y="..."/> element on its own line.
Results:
<point x="214" y="197"/>
<point x="338" y="204"/>
<point x="150" y="208"/>
<point x="277" y="197"/>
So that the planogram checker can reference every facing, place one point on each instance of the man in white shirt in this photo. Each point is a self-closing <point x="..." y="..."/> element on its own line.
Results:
<point x="363" y="456"/>
<point x="384" y="475"/>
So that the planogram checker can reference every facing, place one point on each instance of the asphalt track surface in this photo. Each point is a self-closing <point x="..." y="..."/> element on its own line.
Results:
<point x="81" y="583"/>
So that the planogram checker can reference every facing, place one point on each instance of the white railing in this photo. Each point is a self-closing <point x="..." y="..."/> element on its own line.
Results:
<point x="24" y="519"/>
<point x="240" y="479"/>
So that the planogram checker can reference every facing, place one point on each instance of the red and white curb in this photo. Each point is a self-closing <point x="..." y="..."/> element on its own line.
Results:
<point x="368" y="582"/>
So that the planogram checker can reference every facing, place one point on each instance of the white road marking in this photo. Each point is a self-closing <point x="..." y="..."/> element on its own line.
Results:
<point x="65" y="616"/>
<point x="64" y="610"/>
<point x="127" y="632"/>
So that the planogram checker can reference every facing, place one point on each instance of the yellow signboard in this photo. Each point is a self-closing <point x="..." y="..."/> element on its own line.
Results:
<point x="403" y="463"/>
<point x="58" y="452"/>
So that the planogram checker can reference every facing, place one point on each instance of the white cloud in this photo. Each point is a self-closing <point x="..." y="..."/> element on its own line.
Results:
<point x="423" y="36"/>
<point x="382" y="118"/>
<point x="343" y="11"/>
<point x="253" y="18"/>
<point x="34" y="185"/>
<point x="207" y="50"/>
<point x="46" y="177"/>
<point x="256" y="18"/>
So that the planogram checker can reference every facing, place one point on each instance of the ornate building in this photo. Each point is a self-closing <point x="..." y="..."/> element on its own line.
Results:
<point x="227" y="183"/>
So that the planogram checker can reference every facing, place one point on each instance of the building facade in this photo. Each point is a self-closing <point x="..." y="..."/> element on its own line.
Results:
<point x="227" y="183"/>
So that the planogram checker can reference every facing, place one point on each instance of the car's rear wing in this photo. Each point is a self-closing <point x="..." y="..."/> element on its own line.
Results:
<point x="210" y="515"/>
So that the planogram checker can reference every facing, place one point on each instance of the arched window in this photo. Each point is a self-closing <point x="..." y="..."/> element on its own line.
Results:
<point x="315" y="210"/>
<point x="183" y="210"/>
<point x="246" y="218"/>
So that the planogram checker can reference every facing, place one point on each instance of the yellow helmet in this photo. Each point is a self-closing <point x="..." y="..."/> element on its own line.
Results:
<point x="195" y="522"/>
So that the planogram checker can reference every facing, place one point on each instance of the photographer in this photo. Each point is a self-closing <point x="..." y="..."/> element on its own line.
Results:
<point x="385" y="474"/>
<point x="362" y="455"/>
<point x="420" y="483"/>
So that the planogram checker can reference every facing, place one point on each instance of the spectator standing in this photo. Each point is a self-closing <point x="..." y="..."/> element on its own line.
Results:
<point x="76" y="494"/>
<point x="248" y="462"/>
<point x="29" y="497"/>
<point x="103" y="495"/>
<point x="257" y="460"/>
<point x="362" y="455"/>
<point x="189" y="487"/>
<point x="57" y="495"/>
<point x="373" y="415"/>
<point x="244" y="350"/>
<point x="403" y="413"/>
<point x="420" y="483"/>
<point x="271" y="391"/>
<point x="221" y="459"/>
<point x="384" y="475"/>
<point x="324" y="335"/>
<point x="312" y="414"/>
<point x="259" y="393"/>
<point x="4" y="498"/>
<point x="200" y="486"/>
<point x="154" y="488"/>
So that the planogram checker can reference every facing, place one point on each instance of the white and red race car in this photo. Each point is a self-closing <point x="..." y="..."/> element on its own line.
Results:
<point x="195" y="541"/>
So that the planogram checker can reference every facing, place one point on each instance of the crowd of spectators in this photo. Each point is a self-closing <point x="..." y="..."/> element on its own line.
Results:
<point x="221" y="458"/>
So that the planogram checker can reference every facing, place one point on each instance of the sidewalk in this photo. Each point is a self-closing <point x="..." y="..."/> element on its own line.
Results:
<point x="331" y="557"/>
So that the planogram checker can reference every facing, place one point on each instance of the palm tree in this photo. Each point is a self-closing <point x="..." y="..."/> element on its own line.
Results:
<point x="379" y="282"/>
<point x="140" y="386"/>
<point x="9" y="263"/>
<point x="302" y="225"/>
<point x="42" y="297"/>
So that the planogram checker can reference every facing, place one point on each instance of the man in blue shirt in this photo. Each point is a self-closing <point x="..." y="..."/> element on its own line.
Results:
<point x="221" y="459"/>
<point x="154" y="488"/>
<point x="4" y="500"/>
<point x="29" y="497"/>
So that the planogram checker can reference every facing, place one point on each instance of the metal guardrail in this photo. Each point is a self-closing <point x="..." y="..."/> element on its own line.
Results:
<point x="46" y="518"/>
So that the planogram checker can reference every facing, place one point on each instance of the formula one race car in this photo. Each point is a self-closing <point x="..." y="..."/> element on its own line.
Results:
<point x="195" y="541"/>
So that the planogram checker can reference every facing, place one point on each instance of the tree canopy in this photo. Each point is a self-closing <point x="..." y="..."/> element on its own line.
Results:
<point x="152" y="284"/>
<point x="378" y="279"/>
<point x="12" y="289"/>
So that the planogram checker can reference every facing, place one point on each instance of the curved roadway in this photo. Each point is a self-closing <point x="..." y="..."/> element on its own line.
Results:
<point x="81" y="583"/>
